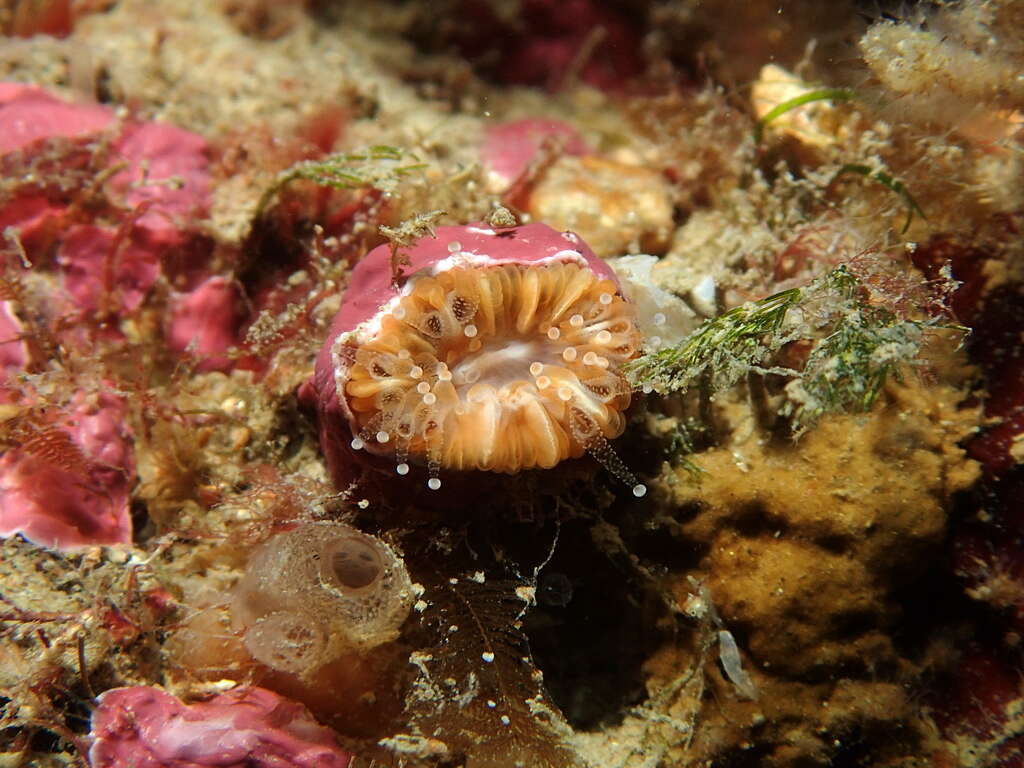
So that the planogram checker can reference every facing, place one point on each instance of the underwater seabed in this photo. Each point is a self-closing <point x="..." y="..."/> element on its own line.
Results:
<point x="497" y="383"/>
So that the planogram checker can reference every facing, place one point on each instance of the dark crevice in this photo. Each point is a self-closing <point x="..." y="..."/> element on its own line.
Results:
<point x="754" y="521"/>
<point x="836" y="543"/>
<point x="660" y="550"/>
<point x="854" y="624"/>
<point x="591" y="631"/>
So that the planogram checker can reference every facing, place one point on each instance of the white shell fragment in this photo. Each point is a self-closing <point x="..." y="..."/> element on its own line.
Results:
<point x="703" y="296"/>
<point x="659" y="313"/>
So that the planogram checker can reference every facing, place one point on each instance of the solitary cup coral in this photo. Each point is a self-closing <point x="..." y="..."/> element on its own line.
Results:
<point x="501" y="351"/>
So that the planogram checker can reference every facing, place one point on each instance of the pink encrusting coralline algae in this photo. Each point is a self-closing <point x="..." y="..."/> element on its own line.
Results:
<point x="29" y="114"/>
<point x="204" y="323"/>
<point x="65" y="482"/>
<point x="165" y="167"/>
<point x="144" y="727"/>
<point x="160" y="183"/>
<point x="13" y="349"/>
<point x="68" y="486"/>
<point x="509" y="148"/>
<point x="502" y="351"/>
<point x="83" y="255"/>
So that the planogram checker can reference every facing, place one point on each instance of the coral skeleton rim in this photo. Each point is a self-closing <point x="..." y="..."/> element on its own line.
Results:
<point x="483" y="365"/>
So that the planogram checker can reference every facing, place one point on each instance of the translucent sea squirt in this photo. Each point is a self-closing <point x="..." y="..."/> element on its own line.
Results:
<point x="318" y="593"/>
<point x="500" y="351"/>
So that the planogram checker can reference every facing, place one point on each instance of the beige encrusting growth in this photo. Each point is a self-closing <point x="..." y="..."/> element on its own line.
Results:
<point x="958" y="67"/>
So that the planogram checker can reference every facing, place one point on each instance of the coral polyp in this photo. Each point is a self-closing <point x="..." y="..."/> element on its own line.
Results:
<point x="489" y="362"/>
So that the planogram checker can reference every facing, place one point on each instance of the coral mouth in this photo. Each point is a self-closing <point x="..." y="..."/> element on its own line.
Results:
<point x="499" y="368"/>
